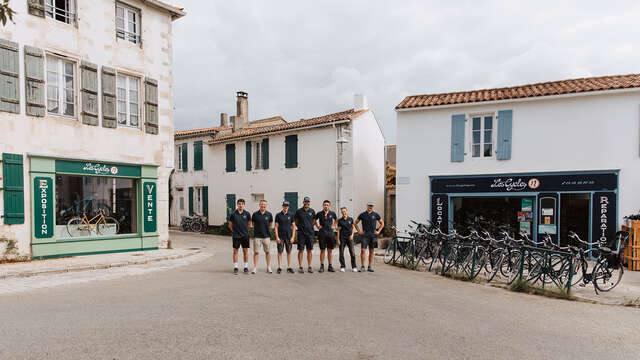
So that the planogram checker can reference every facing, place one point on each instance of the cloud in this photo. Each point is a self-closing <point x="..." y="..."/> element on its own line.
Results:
<point x="308" y="58"/>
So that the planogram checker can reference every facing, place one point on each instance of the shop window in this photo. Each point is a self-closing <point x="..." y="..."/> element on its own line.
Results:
<point x="94" y="197"/>
<point x="128" y="103"/>
<point x="61" y="10"/>
<point x="127" y="23"/>
<point x="482" y="136"/>
<point x="61" y="97"/>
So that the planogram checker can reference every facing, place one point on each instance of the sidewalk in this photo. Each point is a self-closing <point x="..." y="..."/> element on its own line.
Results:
<point x="626" y="293"/>
<point x="90" y="262"/>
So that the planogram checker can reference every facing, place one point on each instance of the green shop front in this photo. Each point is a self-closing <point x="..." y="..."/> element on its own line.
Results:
<point x="89" y="207"/>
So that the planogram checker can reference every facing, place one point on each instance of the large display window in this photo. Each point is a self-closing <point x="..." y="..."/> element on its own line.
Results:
<point x="95" y="206"/>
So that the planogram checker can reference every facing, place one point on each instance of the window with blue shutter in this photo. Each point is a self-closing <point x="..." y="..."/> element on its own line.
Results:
<point x="457" y="137"/>
<point x="185" y="157"/>
<point x="197" y="155"/>
<point x="190" y="201"/>
<point x="231" y="157"/>
<point x="231" y="204"/>
<point x="505" y="124"/>
<point x="13" y="188"/>
<point x="292" y="198"/>
<point x="265" y="153"/>
<point x="248" y="155"/>
<point x="291" y="151"/>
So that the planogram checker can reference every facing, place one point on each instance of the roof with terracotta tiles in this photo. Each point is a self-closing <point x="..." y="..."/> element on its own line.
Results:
<point x="562" y="87"/>
<point x="328" y="119"/>
<point x="274" y="120"/>
<point x="199" y="132"/>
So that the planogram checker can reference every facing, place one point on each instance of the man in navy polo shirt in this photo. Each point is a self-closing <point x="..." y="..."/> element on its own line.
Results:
<point x="262" y="221"/>
<point x="239" y="222"/>
<point x="304" y="222"/>
<point x="285" y="232"/>
<point x="325" y="221"/>
<point x="369" y="233"/>
<point x="345" y="238"/>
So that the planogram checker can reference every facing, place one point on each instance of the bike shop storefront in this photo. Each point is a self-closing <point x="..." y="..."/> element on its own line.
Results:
<point x="533" y="203"/>
<point x="89" y="207"/>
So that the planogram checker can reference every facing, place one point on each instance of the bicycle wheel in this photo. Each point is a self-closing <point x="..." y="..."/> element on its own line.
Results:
<point x="605" y="276"/>
<point x="196" y="226"/>
<point x="109" y="226"/>
<point x="512" y="268"/>
<point x="389" y="253"/>
<point x="578" y="271"/>
<point x="76" y="226"/>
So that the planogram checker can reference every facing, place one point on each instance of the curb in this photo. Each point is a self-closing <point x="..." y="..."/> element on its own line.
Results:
<point x="100" y="266"/>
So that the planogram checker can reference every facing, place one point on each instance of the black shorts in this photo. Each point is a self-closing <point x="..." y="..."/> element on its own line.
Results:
<point x="243" y="241"/>
<point x="284" y="244"/>
<point x="369" y="241"/>
<point x="326" y="241"/>
<point x="305" y="240"/>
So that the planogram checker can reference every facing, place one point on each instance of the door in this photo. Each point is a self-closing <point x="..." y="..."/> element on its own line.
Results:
<point x="574" y="216"/>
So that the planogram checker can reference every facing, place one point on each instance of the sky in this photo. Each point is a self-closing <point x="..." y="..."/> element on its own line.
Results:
<point x="303" y="58"/>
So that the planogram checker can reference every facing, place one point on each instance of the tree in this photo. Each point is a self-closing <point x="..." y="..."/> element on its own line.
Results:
<point x="5" y="12"/>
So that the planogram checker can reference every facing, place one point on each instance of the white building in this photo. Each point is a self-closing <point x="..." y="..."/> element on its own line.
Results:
<point x="338" y="157"/>
<point x="548" y="157"/>
<point x="86" y="124"/>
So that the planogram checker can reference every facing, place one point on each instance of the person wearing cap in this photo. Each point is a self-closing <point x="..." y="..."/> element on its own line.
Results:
<point x="369" y="233"/>
<point x="239" y="222"/>
<point x="285" y="232"/>
<point x="304" y="223"/>
<point x="262" y="221"/>
<point x="345" y="238"/>
<point x="325" y="221"/>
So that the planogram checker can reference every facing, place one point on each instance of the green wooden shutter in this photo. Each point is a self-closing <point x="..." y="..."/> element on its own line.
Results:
<point x="291" y="151"/>
<point x="185" y="157"/>
<point x="292" y="198"/>
<point x="265" y="153"/>
<point x="151" y="106"/>
<point x="457" y="138"/>
<point x="109" y="98"/>
<point x="9" y="73"/>
<point x="197" y="155"/>
<point x="505" y="122"/>
<point x="231" y="157"/>
<point x="231" y="204"/>
<point x="205" y="201"/>
<point x="13" y="188"/>
<point x="89" y="89"/>
<point x="248" y="156"/>
<point x="190" y="201"/>
<point x="34" y="80"/>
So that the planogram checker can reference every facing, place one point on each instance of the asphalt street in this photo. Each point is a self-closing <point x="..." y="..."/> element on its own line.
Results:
<point x="202" y="311"/>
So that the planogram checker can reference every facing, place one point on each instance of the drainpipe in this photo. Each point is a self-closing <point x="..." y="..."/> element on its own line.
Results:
<point x="340" y="141"/>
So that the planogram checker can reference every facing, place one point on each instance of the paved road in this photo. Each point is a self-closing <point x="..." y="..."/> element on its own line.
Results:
<point x="202" y="311"/>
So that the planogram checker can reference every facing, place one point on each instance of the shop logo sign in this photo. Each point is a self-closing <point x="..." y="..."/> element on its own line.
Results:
<point x="99" y="169"/>
<point x="533" y="183"/>
<point x="509" y="184"/>
<point x="43" y="214"/>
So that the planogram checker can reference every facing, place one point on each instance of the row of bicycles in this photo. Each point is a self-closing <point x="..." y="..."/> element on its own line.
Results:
<point x="196" y="223"/>
<point x="497" y="255"/>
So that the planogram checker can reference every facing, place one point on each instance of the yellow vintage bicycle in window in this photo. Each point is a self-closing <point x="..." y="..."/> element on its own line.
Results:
<point x="83" y="226"/>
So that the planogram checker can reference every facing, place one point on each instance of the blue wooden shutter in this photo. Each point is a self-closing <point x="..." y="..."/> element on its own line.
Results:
<point x="248" y="157"/>
<point x="13" y="189"/>
<point x="265" y="153"/>
<point x="205" y="201"/>
<point x="292" y="198"/>
<point x="505" y="123"/>
<point x="231" y="157"/>
<point x="291" y="151"/>
<point x="185" y="157"/>
<point x="197" y="155"/>
<point x="190" y="201"/>
<point x="457" y="138"/>
<point x="231" y="204"/>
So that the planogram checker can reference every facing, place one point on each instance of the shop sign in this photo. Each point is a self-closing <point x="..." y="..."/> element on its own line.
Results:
<point x="96" y="168"/>
<point x="526" y="183"/>
<point x="43" y="208"/>
<point x="440" y="211"/>
<point x="604" y="217"/>
<point x="149" y="208"/>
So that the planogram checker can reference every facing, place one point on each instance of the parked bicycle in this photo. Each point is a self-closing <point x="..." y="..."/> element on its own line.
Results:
<point x="196" y="223"/>
<point x="83" y="226"/>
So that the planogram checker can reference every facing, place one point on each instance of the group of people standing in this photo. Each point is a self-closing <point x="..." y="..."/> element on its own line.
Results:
<point x="303" y="222"/>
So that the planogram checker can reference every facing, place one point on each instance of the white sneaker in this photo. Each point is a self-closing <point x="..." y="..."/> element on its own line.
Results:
<point x="354" y="269"/>
<point x="254" y="271"/>
<point x="269" y="271"/>
<point x="341" y="269"/>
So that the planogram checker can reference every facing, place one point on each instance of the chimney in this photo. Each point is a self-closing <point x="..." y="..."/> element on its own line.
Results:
<point x="242" y="113"/>
<point x="360" y="102"/>
<point x="234" y="123"/>
<point x="223" y="119"/>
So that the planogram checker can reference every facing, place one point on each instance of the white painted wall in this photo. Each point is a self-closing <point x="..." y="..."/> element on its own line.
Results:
<point x="93" y="39"/>
<point x="594" y="132"/>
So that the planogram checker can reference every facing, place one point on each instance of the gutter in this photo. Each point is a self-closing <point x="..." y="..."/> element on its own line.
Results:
<point x="525" y="99"/>
<point x="213" y="142"/>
